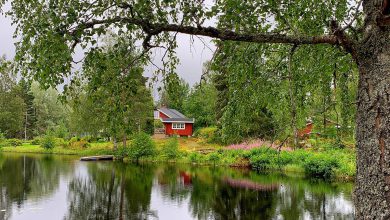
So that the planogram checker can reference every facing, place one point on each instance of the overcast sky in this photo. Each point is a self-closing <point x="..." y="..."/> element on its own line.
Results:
<point x="192" y="52"/>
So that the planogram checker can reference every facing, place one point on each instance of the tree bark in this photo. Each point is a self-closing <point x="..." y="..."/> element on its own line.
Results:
<point x="372" y="192"/>
<point x="124" y="141"/>
<point x="115" y="143"/>
<point x="25" y="126"/>
<point x="292" y="97"/>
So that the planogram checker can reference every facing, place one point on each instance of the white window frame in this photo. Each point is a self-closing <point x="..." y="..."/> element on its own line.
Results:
<point x="178" y="126"/>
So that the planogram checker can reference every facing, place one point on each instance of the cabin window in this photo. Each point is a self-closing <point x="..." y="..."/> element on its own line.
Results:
<point x="178" y="126"/>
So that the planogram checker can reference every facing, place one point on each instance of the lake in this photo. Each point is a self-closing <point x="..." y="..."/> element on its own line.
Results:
<point x="62" y="187"/>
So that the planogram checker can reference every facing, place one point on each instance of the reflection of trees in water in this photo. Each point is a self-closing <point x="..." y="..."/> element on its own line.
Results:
<point x="216" y="194"/>
<point x="319" y="200"/>
<point x="172" y="186"/>
<point x="113" y="191"/>
<point x="222" y="201"/>
<point x="211" y="197"/>
<point x="27" y="177"/>
<point x="123" y="191"/>
<point x="5" y="204"/>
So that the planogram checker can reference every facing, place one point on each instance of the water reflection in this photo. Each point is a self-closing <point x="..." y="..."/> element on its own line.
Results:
<point x="113" y="190"/>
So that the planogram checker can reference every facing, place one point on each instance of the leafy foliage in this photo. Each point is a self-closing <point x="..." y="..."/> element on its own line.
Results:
<point x="200" y="104"/>
<point x="174" y="92"/>
<point x="321" y="166"/>
<point x="14" y="142"/>
<point x="48" y="142"/>
<point x="117" y="89"/>
<point x="141" y="146"/>
<point x="210" y="134"/>
<point x="170" y="150"/>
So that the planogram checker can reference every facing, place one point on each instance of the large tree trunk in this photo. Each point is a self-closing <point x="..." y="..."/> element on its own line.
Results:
<point x="372" y="192"/>
<point x="292" y="97"/>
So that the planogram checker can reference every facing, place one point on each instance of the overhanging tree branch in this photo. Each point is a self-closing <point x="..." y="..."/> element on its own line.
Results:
<point x="156" y="28"/>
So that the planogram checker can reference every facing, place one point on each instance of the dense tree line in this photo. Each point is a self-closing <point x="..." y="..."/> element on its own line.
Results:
<point x="26" y="109"/>
<point x="115" y="104"/>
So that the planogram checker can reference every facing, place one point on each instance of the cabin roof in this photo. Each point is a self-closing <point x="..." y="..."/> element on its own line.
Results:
<point x="174" y="116"/>
<point x="172" y="113"/>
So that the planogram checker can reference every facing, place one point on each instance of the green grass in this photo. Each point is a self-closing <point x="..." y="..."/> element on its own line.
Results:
<point x="94" y="149"/>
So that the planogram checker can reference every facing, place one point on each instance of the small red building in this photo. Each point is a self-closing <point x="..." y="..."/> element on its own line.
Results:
<point x="175" y="123"/>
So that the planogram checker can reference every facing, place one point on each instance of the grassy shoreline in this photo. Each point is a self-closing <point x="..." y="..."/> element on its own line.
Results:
<point x="340" y="162"/>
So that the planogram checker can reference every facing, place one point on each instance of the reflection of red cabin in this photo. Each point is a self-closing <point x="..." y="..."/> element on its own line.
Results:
<point x="186" y="177"/>
<point x="175" y="123"/>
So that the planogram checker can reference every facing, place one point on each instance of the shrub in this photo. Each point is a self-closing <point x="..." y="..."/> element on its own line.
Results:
<point x="100" y="140"/>
<point x="300" y="156"/>
<point x="260" y="162"/>
<point x="48" y="142"/>
<point x="262" y="158"/>
<point x="320" y="165"/>
<point x="196" y="157"/>
<point x="171" y="149"/>
<point x="121" y="152"/>
<point x="213" y="157"/>
<point x="3" y="141"/>
<point x="78" y="144"/>
<point x="36" y="141"/>
<point x="141" y="146"/>
<point x="209" y="134"/>
<point x="158" y="124"/>
<point x="74" y="139"/>
<point x="14" y="142"/>
<point x="284" y="158"/>
<point x="60" y="142"/>
<point x="88" y="139"/>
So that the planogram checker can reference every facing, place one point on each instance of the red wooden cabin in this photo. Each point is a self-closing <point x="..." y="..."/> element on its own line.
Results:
<point x="175" y="123"/>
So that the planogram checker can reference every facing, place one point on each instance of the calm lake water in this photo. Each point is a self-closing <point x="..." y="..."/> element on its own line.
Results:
<point x="61" y="187"/>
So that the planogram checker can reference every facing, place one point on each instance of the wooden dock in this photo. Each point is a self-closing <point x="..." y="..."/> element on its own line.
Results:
<point x="96" y="158"/>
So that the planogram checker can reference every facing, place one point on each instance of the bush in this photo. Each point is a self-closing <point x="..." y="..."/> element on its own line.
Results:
<point x="209" y="134"/>
<point x="158" y="124"/>
<point x="262" y="158"/>
<point x="261" y="162"/>
<point x="60" y="142"/>
<point x="88" y="139"/>
<point x="196" y="157"/>
<point x="78" y="144"/>
<point x="284" y="158"/>
<point x="121" y="152"/>
<point x="74" y="139"/>
<point x="48" y="142"/>
<point x="36" y="141"/>
<point x="213" y="157"/>
<point x="300" y="156"/>
<point x="170" y="150"/>
<point x="141" y="146"/>
<point x="14" y="142"/>
<point x="320" y="165"/>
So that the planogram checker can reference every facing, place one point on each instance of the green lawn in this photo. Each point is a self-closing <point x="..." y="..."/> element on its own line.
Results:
<point x="93" y="149"/>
